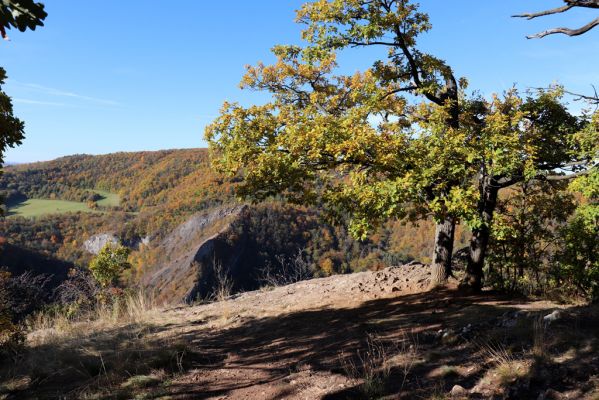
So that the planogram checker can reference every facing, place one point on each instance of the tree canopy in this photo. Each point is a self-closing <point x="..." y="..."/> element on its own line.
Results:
<point x="355" y="126"/>
<point x="110" y="262"/>
<point x="400" y="139"/>
<point x="20" y="14"/>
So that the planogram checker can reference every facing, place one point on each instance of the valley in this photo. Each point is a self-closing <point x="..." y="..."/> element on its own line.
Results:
<point x="188" y="219"/>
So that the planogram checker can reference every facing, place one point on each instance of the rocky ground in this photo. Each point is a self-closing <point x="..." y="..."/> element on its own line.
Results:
<point x="366" y="335"/>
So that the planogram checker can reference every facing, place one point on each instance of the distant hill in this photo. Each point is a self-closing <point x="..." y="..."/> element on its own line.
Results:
<point x="144" y="198"/>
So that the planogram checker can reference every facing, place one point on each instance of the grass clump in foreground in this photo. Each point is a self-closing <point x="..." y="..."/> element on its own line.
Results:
<point x="113" y="350"/>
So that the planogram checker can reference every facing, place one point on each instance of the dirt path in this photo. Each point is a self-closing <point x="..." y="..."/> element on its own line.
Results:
<point x="302" y="341"/>
<point x="366" y="335"/>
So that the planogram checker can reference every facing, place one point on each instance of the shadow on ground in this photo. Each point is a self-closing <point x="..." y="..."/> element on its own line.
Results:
<point x="447" y="334"/>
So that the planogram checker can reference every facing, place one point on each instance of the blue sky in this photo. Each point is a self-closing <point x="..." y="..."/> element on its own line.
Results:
<point x="114" y="75"/>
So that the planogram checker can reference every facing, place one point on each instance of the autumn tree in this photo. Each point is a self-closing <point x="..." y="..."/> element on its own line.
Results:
<point x="341" y="140"/>
<point x="110" y="262"/>
<point x="400" y="139"/>
<point x="518" y="140"/>
<point x="581" y="237"/>
<point x="568" y="5"/>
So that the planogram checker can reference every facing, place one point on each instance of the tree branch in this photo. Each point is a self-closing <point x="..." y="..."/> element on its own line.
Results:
<point x="566" y="177"/>
<point x="543" y="13"/>
<point x="567" y="31"/>
<point x="568" y="6"/>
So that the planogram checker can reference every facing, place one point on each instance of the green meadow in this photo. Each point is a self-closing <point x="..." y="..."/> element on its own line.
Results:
<point x="38" y="207"/>
<point x="109" y="199"/>
<point x="31" y="208"/>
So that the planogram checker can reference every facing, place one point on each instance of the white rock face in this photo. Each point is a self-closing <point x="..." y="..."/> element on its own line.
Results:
<point x="95" y="243"/>
<point x="145" y="241"/>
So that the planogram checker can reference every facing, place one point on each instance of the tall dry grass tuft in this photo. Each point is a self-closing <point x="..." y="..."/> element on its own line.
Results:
<point x="507" y="367"/>
<point x="223" y="283"/>
<point x="372" y="368"/>
<point x="130" y="308"/>
<point x="100" y="349"/>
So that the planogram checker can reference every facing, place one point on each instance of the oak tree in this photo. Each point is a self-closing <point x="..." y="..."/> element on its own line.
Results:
<point x="23" y="15"/>
<point x="345" y="139"/>
<point x="401" y="139"/>
<point x="12" y="129"/>
<point x="568" y="5"/>
<point x="110" y="262"/>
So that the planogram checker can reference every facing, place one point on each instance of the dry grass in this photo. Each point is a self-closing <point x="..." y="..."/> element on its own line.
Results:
<point x="115" y="349"/>
<point x="372" y="368"/>
<point x="136" y="308"/>
<point x="507" y="367"/>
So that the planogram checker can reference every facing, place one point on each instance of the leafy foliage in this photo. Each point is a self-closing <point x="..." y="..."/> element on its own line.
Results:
<point x="12" y="130"/>
<point x="579" y="258"/>
<point x="526" y="236"/>
<point x="401" y="139"/>
<point x="21" y="14"/>
<point x="110" y="262"/>
<point x="340" y="141"/>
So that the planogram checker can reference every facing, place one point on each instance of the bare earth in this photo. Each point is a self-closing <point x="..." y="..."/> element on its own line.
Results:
<point x="318" y="339"/>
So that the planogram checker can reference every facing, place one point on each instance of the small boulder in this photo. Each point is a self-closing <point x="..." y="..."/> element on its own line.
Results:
<point x="458" y="391"/>
<point x="554" y="316"/>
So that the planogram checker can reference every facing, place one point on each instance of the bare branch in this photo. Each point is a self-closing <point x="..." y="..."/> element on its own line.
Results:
<point x="566" y="177"/>
<point x="543" y="13"/>
<point x="567" y="31"/>
<point x="569" y="4"/>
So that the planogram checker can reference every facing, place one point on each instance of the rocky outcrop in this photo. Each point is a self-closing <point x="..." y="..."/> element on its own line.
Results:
<point x="95" y="243"/>
<point x="189" y="255"/>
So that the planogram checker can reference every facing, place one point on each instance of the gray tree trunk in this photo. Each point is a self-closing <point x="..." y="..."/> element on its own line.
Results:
<point x="442" y="252"/>
<point x="480" y="236"/>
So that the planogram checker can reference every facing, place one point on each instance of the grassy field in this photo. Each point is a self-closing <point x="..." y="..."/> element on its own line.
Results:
<point x="38" y="207"/>
<point x="109" y="200"/>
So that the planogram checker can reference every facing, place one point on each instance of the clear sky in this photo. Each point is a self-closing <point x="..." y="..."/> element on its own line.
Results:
<point x="126" y="75"/>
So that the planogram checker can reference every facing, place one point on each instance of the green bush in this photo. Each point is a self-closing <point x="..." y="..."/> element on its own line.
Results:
<point x="578" y="261"/>
<point x="110" y="262"/>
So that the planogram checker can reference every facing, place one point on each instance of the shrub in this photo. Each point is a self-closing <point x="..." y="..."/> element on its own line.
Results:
<point x="578" y="262"/>
<point x="110" y="262"/>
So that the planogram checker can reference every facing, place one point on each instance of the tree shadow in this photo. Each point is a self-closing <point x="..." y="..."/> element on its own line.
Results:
<point x="445" y="330"/>
<point x="320" y="337"/>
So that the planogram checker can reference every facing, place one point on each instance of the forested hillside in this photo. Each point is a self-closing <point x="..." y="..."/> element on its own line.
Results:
<point x="158" y="191"/>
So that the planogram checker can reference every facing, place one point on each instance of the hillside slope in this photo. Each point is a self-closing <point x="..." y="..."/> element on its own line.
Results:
<point x="159" y="194"/>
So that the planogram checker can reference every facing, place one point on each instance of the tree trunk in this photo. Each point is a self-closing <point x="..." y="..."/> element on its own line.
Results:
<point x="442" y="252"/>
<point x="480" y="236"/>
